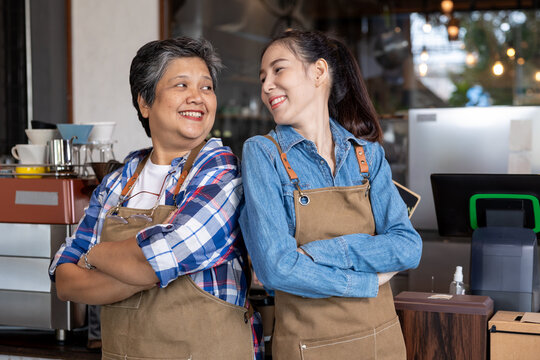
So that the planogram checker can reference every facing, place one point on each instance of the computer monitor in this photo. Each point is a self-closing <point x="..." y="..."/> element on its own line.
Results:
<point x="464" y="202"/>
<point x="468" y="140"/>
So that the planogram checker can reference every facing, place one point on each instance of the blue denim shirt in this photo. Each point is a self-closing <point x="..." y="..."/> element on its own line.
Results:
<point x="343" y="266"/>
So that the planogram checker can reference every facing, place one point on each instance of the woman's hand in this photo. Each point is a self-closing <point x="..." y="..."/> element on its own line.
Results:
<point x="301" y="251"/>
<point x="122" y="260"/>
<point x="255" y="279"/>
<point x="385" y="277"/>
<point x="81" y="262"/>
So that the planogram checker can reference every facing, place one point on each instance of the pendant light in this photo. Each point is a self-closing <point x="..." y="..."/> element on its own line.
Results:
<point x="453" y="29"/>
<point x="511" y="52"/>
<point x="498" y="68"/>
<point x="447" y="6"/>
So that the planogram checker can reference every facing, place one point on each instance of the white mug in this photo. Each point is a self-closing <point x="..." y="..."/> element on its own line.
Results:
<point x="30" y="153"/>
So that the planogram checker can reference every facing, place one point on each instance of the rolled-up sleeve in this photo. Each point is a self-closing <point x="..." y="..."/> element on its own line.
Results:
<point x="85" y="235"/>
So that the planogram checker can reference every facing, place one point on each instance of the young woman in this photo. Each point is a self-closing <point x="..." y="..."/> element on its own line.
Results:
<point x="323" y="223"/>
<point x="168" y="217"/>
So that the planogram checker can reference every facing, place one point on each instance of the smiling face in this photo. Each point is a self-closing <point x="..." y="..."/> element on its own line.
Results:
<point x="184" y="108"/>
<point x="288" y="86"/>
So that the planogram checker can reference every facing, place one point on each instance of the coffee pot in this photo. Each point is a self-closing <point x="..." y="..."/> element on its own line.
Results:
<point x="60" y="155"/>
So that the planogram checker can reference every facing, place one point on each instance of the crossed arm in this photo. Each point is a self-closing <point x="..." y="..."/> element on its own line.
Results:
<point x="121" y="271"/>
<point x="281" y="265"/>
<point x="197" y="237"/>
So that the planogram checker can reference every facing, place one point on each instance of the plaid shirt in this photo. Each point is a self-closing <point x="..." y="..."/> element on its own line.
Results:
<point x="202" y="239"/>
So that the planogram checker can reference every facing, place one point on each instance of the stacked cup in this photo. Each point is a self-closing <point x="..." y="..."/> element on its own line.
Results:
<point x="32" y="156"/>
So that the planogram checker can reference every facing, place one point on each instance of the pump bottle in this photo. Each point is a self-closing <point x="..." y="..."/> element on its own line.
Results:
<point x="457" y="287"/>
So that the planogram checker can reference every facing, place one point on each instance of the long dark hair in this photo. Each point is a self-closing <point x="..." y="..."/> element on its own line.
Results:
<point x="349" y="102"/>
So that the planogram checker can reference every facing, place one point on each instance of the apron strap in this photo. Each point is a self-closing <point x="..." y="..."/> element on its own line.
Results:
<point x="361" y="157"/>
<point x="187" y="168"/>
<point x="133" y="179"/>
<point x="283" y="156"/>
<point x="358" y="150"/>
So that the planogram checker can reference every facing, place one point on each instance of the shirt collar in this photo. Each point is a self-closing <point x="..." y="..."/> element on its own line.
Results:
<point x="135" y="157"/>
<point x="288" y="137"/>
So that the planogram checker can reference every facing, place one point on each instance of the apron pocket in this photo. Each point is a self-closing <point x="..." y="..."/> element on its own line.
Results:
<point x="105" y="355"/>
<point x="384" y="342"/>
<point x="345" y="347"/>
<point x="132" y="302"/>
<point x="389" y="341"/>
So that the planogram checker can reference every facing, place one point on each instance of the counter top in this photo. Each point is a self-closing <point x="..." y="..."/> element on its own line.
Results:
<point x="43" y="344"/>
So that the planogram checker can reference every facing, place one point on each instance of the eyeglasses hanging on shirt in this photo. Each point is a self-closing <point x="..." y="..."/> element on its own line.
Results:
<point x="125" y="195"/>
<point x="114" y="216"/>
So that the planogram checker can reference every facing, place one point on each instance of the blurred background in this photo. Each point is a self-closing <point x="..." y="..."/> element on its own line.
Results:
<point x="68" y="60"/>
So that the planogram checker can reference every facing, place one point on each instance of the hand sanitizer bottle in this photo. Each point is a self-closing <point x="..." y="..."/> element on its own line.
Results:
<point x="457" y="287"/>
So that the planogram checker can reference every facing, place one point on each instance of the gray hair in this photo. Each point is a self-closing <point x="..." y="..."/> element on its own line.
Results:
<point x="152" y="59"/>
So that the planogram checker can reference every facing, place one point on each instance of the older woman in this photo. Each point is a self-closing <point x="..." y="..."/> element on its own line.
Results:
<point x="169" y="218"/>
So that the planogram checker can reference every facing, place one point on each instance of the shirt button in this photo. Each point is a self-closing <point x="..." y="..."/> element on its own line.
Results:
<point x="322" y="162"/>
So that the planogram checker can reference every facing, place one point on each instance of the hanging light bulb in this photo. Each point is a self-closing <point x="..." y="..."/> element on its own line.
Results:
<point x="498" y="68"/>
<point x="453" y="29"/>
<point x="537" y="76"/>
<point x="470" y="59"/>
<point x="447" y="6"/>
<point x="521" y="61"/>
<point x="424" y="56"/>
<point x="511" y="52"/>
<point x="422" y="69"/>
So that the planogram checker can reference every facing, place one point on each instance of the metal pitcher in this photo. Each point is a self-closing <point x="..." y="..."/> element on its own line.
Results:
<point x="61" y="154"/>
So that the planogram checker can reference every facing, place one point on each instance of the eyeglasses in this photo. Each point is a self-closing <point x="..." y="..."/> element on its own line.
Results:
<point x="125" y="220"/>
<point x="113" y="215"/>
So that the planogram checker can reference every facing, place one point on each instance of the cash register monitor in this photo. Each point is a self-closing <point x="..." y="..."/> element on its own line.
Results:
<point x="464" y="202"/>
<point x="500" y="213"/>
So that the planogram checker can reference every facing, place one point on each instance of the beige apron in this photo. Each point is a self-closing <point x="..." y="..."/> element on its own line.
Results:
<point x="180" y="321"/>
<point x="336" y="327"/>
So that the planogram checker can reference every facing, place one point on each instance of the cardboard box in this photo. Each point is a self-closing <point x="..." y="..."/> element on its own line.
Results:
<point x="513" y="337"/>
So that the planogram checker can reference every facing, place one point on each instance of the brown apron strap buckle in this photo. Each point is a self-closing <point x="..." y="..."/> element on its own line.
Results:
<point x="114" y="210"/>
<point x="361" y="157"/>
<point x="284" y="160"/>
<point x="288" y="167"/>
<point x="303" y="199"/>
